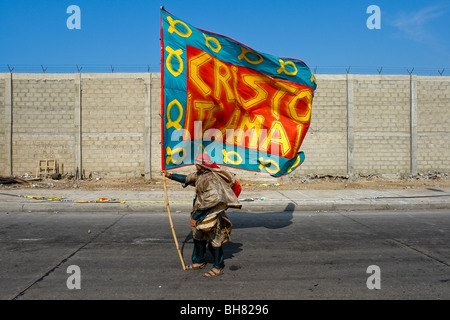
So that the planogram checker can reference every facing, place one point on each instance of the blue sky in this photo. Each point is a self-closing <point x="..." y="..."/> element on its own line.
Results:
<point x="329" y="36"/>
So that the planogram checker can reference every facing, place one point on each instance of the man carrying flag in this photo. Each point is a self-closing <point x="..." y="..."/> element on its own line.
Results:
<point x="209" y="222"/>
<point x="225" y="103"/>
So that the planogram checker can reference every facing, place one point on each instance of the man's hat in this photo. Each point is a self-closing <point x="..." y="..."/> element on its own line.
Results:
<point x="205" y="160"/>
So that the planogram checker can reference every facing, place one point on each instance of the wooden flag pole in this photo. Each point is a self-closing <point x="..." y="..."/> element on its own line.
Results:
<point x="171" y="224"/>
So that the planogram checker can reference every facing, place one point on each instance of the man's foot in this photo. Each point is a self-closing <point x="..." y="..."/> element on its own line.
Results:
<point x="196" y="266"/>
<point x="213" y="272"/>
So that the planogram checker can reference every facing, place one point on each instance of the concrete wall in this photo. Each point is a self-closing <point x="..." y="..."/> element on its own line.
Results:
<point x="433" y="124"/>
<point x="381" y="124"/>
<point x="325" y="144"/>
<point x="43" y="126"/>
<point x="5" y="120"/>
<point x="115" y="123"/>
<point x="109" y="124"/>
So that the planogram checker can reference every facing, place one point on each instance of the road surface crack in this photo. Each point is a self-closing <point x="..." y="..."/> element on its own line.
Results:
<point x="398" y="242"/>
<point x="22" y="293"/>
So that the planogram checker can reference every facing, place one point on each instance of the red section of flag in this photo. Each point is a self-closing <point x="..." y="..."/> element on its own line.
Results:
<point x="260" y="109"/>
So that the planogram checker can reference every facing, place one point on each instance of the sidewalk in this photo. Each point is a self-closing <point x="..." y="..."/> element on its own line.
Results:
<point x="273" y="200"/>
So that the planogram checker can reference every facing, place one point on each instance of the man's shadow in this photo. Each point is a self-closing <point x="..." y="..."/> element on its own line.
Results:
<point x="244" y="220"/>
<point x="269" y="220"/>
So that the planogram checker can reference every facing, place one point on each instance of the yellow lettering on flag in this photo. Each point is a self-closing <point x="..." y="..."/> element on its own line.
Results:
<point x="194" y="74"/>
<point x="276" y="135"/>
<point x="292" y="112"/>
<point x="206" y="111"/>
<point x="250" y="128"/>
<point x="283" y="89"/>
<point x="261" y="94"/>
<point x="222" y="77"/>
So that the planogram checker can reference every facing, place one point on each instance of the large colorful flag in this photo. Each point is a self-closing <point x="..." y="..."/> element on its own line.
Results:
<point x="246" y="109"/>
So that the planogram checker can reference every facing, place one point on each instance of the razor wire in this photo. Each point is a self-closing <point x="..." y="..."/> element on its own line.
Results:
<point x="140" y="68"/>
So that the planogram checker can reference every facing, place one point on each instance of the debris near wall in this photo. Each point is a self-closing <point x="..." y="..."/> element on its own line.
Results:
<point x="16" y="179"/>
<point x="394" y="177"/>
<point x="93" y="181"/>
<point x="377" y="181"/>
<point x="435" y="175"/>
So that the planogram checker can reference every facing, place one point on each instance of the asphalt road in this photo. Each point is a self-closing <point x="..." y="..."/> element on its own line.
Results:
<point x="279" y="256"/>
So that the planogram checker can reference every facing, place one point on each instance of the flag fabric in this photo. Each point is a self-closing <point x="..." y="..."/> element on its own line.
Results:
<point x="246" y="109"/>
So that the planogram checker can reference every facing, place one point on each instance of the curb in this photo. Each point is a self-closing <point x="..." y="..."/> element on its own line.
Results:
<point x="254" y="207"/>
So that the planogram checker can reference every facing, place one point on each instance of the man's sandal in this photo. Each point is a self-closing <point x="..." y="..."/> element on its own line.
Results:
<point x="200" y="266"/>
<point x="212" y="273"/>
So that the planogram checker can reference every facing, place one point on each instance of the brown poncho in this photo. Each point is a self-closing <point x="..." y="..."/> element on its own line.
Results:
<point x="213" y="190"/>
<point x="213" y="187"/>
